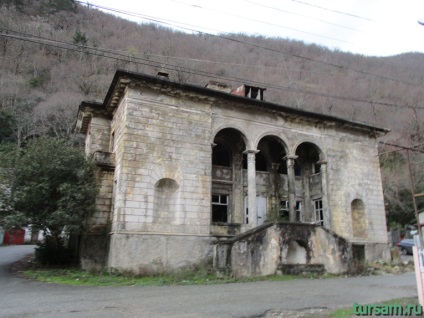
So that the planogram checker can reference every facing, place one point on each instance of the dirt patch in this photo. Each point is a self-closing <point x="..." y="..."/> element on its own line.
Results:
<point x="27" y="263"/>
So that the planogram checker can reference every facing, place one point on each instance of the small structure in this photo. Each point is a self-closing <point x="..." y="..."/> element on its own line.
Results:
<point x="192" y="173"/>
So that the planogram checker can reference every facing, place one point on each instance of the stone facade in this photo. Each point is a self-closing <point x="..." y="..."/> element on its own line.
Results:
<point x="185" y="165"/>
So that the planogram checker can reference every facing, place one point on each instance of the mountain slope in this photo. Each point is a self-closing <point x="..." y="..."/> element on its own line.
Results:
<point x="55" y="53"/>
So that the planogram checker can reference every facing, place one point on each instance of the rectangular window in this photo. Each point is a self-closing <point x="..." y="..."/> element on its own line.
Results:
<point x="299" y="214"/>
<point x="284" y="211"/>
<point x="319" y="216"/>
<point x="219" y="208"/>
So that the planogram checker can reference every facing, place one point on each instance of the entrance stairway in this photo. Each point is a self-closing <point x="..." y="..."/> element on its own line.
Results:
<point x="283" y="248"/>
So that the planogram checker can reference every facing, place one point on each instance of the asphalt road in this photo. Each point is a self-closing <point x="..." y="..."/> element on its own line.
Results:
<point x="24" y="298"/>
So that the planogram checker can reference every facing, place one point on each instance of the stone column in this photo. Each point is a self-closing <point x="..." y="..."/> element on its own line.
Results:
<point x="237" y="201"/>
<point x="292" y="187"/>
<point x="275" y="186"/>
<point x="307" y="207"/>
<point x="325" y="204"/>
<point x="251" y="187"/>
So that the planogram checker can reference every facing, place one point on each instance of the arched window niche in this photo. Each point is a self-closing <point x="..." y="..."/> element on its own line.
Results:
<point x="359" y="223"/>
<point x="165" y="200"/>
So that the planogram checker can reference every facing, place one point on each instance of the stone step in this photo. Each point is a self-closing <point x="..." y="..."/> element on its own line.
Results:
<point x="300" y="269"/>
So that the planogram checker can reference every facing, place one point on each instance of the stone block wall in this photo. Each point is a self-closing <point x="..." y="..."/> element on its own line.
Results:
<point x="162" y="181"/>
<point x="94" y="243"/>
<point x="98" y="135"/>
<point x="354" y="176"/>
<point x="163" y="169"/>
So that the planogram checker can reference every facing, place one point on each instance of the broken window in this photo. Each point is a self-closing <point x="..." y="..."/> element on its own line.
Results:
<point x="319" y="215"/>
<point x="219" y="208"/>
<point x="284" y="211"/>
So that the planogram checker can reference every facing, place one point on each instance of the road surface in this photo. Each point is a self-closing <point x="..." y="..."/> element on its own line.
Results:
<point x="24" y="298"/>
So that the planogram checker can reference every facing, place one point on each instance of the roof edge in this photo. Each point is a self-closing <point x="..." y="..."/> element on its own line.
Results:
<point x="220" y="94"/>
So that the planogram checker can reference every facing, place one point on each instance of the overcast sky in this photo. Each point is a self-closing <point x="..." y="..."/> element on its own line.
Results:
<point x="368" y="27"/>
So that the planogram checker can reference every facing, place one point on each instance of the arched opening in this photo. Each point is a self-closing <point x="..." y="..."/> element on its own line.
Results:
<point x="309" y="179"/>
<point x="271" y="170"/>
<point x="296" y="253"/>
<point x="308" y="157"/>
<point x="165" y="203"/>
<point x="227" y="159"/>
<point x="358" y="219"/>
<point x="221" y="156"/>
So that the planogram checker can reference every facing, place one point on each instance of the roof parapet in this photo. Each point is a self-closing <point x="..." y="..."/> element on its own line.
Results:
<point x="218" y="86"/>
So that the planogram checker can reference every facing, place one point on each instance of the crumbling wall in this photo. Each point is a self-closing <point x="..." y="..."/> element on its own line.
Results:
<point x="95" y="242"/>
<point x="259" y="252"/>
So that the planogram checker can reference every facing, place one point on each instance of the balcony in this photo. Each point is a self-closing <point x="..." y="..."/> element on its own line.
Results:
<point x="105" y="160"/>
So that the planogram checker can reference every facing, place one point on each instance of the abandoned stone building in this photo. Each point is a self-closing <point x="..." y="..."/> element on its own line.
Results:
<point x="191" y="174"/>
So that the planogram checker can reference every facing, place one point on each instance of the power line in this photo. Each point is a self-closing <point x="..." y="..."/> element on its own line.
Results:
<point x="263" y="22"/>
<point x="172" y="23"/>
<point x="335" y="11"/>
<point x="302" y="15"/>
<point x="412" y="148"/>
<point x="96" y="50"/>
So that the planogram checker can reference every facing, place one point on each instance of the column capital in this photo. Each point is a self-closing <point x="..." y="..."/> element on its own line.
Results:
<point x="251" y="151"/>
<point x="290" y="157"/>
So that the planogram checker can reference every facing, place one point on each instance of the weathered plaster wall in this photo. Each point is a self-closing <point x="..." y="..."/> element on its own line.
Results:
<point x="147" y="254"/>
<point x="354" y="173"/>
<point x="94" y="244"/>
<point x="94" y="250"/>
<point x="100" y="221"/>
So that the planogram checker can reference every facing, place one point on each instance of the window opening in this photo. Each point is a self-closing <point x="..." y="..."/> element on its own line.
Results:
<point x="319" y="216"/>
<point x="285" y="214"/>
<point x="220" y="208"/>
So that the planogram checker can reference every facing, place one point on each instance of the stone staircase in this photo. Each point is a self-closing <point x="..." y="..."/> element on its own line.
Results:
<point x="282" y="248"/>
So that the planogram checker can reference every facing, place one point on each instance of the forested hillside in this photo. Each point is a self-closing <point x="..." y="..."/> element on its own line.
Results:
<point x="56" y="53"/>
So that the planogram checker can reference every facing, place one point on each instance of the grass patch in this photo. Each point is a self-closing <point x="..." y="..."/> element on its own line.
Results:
<point x="74" y="276"/>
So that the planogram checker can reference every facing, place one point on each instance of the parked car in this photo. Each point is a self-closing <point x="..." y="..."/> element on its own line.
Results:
<point x="405" y="246"/>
